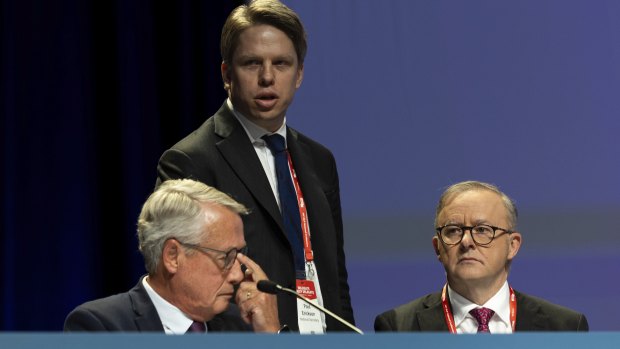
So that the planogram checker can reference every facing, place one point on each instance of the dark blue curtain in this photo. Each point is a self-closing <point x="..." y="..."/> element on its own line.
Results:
<point x="91" y="93"/>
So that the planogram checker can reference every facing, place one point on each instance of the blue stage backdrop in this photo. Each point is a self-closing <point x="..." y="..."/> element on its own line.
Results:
<point x="411" y="96"/>
<point x="415" y="95"/>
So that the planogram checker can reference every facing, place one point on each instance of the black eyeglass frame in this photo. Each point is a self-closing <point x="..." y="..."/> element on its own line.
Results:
<point x="230" y="255"/>
<point x="464" y="228"/>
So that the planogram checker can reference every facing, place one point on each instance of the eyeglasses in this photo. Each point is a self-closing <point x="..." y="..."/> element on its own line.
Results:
<point x="229" y="256"/>
<point x="482" y="234"/>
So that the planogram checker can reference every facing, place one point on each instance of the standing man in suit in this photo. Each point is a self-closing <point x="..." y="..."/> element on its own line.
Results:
<point x="476" y="242"/>
<point x="191" y="237"/>
<point x="298" y="242"/>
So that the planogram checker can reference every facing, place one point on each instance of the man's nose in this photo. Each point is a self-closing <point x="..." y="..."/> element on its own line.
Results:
<point x="236" y="274"/>
<point x="468" y="238"/>
<point x="267" y="75"/>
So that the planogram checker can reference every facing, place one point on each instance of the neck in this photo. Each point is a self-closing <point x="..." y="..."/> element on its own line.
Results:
<point x="167" y="290"/>
<point x="269" y="125"/>
<point x="160" y="286"/>
<point x="478" y="292"/>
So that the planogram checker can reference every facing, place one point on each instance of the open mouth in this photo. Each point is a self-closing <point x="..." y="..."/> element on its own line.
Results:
<point x="266" y="100"/>
<point x="266" y="104"/>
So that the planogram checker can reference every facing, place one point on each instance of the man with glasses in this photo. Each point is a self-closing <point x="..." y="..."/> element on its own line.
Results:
<point x="476" y="241"/>
<point x="191" y="237"/>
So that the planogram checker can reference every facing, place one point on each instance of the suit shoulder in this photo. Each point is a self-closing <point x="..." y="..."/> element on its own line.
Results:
<point x="404" y="314"/>
<point x="417" y="304"/>
<point x="559" y="318"/>
<point x="197" y="138"/>
<point x="109" y="305"/>
<point x="104" y="314"/>
<point x="545" y="305"/>
<point x="314" y="145"/>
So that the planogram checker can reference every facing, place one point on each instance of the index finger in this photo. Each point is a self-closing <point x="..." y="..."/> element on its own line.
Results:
<point x="256" y="271"/>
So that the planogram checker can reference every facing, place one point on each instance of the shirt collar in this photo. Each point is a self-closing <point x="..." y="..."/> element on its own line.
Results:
<point x="254" y="131"/>
<point x="499" y="303"/>
<point x="172" y="318"/>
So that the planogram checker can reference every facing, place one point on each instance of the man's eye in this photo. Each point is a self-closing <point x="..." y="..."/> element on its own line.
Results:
<point x="283" y="64"/>
<point x="451" y="230"/>
<point x="483" y="230"/>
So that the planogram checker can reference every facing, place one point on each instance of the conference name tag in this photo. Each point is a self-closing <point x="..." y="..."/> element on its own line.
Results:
<point x="310" y="321"/>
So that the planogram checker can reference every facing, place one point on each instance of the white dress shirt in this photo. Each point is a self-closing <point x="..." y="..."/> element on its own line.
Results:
<point x="499" y="303"/>
<point x="172" y="318"/>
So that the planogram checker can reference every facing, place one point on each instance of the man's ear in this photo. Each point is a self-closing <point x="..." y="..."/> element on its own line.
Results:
<point x="300" y="76"/>
<point x="436" y="246"/>
<point x="170" y="255"/>
<point x="515" y="244"/>
<point x="225" y="70"/>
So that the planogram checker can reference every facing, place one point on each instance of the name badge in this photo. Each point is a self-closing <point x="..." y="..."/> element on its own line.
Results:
<point x="310" y="321"/>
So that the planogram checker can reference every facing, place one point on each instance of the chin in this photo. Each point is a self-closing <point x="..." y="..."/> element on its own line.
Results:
<point x="469" y="275"/>
<point x="221" y="306"/>
<point x="268" y="115"/>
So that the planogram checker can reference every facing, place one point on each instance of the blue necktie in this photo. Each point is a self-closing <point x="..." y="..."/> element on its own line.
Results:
<point x="288" y="201"/>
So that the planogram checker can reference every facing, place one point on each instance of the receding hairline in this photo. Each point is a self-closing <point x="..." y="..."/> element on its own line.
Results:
<point x="456" y="190"/>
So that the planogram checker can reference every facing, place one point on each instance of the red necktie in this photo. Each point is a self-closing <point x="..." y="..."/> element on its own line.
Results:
<point x="482" y="315"/>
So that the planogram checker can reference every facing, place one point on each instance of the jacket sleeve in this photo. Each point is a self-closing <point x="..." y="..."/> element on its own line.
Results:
<point x="82" y="319"/>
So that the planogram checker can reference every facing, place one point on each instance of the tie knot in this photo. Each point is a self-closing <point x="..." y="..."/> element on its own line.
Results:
<point x="197" y="327"/>
<point x="482" y="315"/>
<point x="275" y="142"/>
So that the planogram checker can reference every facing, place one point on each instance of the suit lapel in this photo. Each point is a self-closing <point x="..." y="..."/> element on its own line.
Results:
<point x="432" y="318"/>
<point x="314" y="196"/>
<point x="529" y="315"/>
<point x="146" y="316"/>
<point x="317" y="203"/>
<point x="238" y="151"/>
<point x="304" y="167"/>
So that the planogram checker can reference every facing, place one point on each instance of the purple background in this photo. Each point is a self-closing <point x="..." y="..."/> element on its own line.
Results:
<point x="413" y="96"/>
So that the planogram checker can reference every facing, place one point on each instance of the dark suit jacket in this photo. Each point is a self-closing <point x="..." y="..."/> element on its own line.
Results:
<point x="134" y="311"/>
<point x="533" y="314"/>
<point x="219" y="153"/>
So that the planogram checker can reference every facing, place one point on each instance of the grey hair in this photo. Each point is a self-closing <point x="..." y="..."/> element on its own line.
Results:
<point x="174" y="210"/>
<point x="452" y="191"/>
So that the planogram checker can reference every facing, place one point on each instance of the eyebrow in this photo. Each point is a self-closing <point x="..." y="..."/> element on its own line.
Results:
<point x="474" y="223"/>
<point x="246" y="56"/>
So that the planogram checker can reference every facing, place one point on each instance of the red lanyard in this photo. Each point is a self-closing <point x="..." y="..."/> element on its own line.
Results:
<point x="450" y="318"/>
<point x="303" y="213"/>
